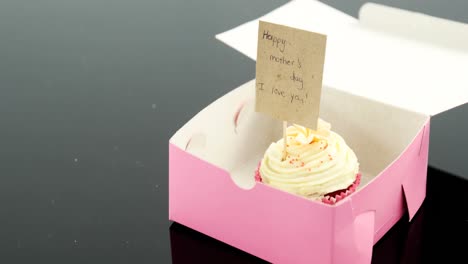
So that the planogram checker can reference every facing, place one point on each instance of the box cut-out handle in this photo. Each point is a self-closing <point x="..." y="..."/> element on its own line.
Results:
<point x="196" y="142"/>
<point x="237" y="115"/>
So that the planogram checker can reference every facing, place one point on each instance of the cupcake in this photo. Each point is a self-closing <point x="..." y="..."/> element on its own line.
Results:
<point x="317" y="165"/>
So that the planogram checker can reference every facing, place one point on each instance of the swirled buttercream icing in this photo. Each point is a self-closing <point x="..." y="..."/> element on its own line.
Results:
<point x="318" y="162"/>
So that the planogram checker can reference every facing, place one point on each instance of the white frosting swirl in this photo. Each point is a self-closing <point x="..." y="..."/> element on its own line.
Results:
<point x="318" y="162"/>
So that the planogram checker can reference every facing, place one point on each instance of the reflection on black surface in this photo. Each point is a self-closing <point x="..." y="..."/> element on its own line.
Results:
<point x="432" y="234"/>
<point x="189" y="246"/>
<point x="445" y="225"/>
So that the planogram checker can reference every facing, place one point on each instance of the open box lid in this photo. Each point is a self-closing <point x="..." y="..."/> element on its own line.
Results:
<point x="406" y="59"/>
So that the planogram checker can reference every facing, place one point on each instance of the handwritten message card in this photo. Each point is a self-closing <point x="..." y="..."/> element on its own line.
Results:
<point x="289" y="73"/>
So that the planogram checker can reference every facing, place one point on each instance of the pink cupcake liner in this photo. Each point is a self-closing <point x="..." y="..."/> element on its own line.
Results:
<point x="258" y="178"/>
<point x="329" y="198"/>
<point x="336" y="196"/>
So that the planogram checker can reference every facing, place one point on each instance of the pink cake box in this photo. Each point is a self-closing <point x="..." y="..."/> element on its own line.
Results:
<point x="213" y="157"/>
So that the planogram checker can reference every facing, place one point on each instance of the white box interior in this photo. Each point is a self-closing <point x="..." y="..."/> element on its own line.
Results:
<point x="378" y="133"/>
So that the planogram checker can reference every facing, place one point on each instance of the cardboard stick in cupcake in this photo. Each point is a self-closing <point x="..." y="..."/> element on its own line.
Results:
<point x="289" y="74"/>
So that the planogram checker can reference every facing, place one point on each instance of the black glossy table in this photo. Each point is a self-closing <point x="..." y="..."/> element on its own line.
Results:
<point x="92" y="90"/>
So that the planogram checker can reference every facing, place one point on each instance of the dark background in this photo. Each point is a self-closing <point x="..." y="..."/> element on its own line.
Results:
<point x="92" y="90"/>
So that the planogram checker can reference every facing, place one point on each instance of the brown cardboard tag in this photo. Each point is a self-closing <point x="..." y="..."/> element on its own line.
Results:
<point x="289" y="73"/>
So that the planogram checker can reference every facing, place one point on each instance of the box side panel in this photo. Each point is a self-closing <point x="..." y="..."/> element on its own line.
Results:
<point x="265" y="222"/>
<point x="353" y="235"/>
<point x="414" y="184"/>
<point x="385" y="194"/>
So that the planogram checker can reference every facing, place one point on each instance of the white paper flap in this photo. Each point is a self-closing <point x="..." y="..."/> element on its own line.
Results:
<point x="416" y="26"/>
<point x="309" y="15"/>
<point x="378" y="59"/>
